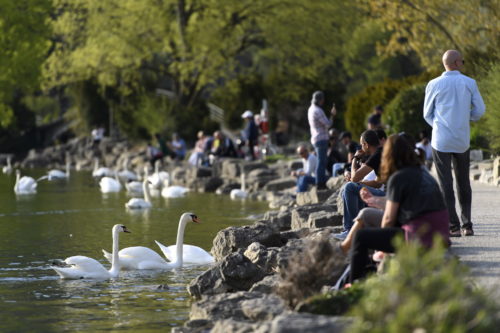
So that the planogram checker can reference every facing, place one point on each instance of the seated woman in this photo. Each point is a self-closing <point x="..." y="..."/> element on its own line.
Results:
<point x="414" y="208"/>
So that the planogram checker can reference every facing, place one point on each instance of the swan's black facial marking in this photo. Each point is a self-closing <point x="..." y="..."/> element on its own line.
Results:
<point x="195" y="218"/>
<point x="124" y="228"/>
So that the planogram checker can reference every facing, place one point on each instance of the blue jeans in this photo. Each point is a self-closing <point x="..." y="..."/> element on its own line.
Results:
<point x="303" y="182"/>
<point x="336" y="168"/>
<point x="321" y="148"/>
<point x="353" y="203"/>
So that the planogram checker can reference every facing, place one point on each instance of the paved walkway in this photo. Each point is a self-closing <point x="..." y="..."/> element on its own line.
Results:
<point x="481" y="252"/>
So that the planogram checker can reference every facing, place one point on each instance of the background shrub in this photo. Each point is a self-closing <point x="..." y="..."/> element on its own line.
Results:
<point x="405" y="112"/>
<point x="424" y="292"/>
<point x="490" y="90"/>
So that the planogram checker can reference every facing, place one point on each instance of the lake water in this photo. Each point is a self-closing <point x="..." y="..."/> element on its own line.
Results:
<point x="72" y="217"/>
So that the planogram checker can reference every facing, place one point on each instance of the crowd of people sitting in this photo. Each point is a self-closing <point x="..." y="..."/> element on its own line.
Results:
<point x="208" y="148"/>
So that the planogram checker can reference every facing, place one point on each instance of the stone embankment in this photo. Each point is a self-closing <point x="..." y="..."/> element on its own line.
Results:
<point x="240" y="292"/>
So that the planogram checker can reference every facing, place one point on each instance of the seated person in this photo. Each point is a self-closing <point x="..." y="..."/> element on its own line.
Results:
<point x="370" y="146"/>
<point x="154" y="154"/>
<point x="352" y="147"/>
<point x="425" y="145"/>
<point x="222" y="146"/>
<point x="197" y="157"/>
<point x="334" y="153"/>
<point x="414" y="208"/>
<point x="178" y="146"/>
<point x="305" y="176"/>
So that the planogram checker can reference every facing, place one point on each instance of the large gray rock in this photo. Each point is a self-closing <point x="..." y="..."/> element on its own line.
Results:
<point x="198" y="172"/>
<point x="292" y="322"/>
<point x="280" y="199"/>
<point x="313" y="196"/>
<point x="267" y="285"/>
<point x="264" y="308"/>
<point x="280" y="220"/>
<point x="323" y="219"/>
<point x="230" y="239"/>
<point x="229" y="305"/>
<point x="496" y="171"/>
<point x="234" y="273"/>
<point x="234" y="326"/>
<point x="265" y="258"/>
<point x="300" y="215"/>
<point x="205" y="185"/>
<point x="280" y="184"/>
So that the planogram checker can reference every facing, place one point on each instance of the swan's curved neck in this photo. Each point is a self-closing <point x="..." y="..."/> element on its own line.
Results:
<point x="115" y="262"/>
<point x="67" y="169"/>
<point x="145" y="189"/>
<point x="243" y="184"/>
<point x="180" y="241"/>
<point x="18" y="177"/>
<point x="96" y="164"/>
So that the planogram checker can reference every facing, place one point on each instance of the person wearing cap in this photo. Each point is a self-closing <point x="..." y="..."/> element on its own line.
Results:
<point x="375" y="119"/>
<point x="319" y="124"/>
<point x="250" y="133"/>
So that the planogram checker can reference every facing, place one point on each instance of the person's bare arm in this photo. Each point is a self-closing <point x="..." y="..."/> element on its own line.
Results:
<point x="372" y="200"/>
<point x="360" y="173"/>
<point x="390" y="214"/>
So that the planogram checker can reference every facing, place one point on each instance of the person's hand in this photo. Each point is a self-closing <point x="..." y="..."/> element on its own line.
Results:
<point x="372" y="200"/>
<point x="347" y="176"/>
<point x="293" y="173"/>
<point x="333" y="111"/>
<point x="360" y="153"/>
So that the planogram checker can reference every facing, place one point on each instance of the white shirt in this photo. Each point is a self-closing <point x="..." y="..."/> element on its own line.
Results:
<point x="452" y="101"/>
<point x="310" y="165"/>
<point x="318" y="123"/>
<point x="426" y="148"/>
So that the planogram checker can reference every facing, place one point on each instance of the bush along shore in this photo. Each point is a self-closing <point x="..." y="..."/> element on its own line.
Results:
<point x="275" y="274"/>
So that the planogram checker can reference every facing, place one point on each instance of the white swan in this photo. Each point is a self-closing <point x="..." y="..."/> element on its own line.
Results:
<point x="108" y="184"/>
<point x="190" y="254"/>
<point x="25" y="184"/>
<point x="101" y="171"/>
<point x="56" y="174"/>
<point x="7" y="169"/>
<point x="140" y="257"/>
<point x="173" y="191"/>
<point x="140" y="203"/>
<point x="125" y="174"/>
<point x="239" y="193"/>
<point x="135" y="187"/>
<point x="158" y="178"/>
<point x="82" y="267"/>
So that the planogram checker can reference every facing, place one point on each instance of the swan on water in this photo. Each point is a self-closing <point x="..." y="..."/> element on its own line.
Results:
<point x="82" y="267"/>
<point x="190" y="254"/>
<point x="140" y="257"/>
<point x="25" y="184"/>
<point x="136" y="187"/>
<point x="239" y="193"/>
<point x="108" y="184"/>
<point x="125" y="174"/>
<point x="7" y="168"/>
<point x="173" y="191"/>
<point x="101" y="171"/>
<point x="140" y="203"/>
<point x="56" y="174"/>
<point x="158" y="178"/>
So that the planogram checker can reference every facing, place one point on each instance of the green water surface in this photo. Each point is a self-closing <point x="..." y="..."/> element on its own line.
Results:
<point x="67" y="218"/>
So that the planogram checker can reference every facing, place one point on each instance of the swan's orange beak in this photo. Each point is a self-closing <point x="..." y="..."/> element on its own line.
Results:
<point x="125" y="229"/>
<point x="195" y="219"/>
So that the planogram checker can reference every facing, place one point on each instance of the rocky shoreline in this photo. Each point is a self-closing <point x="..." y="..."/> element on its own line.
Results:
<point x="240" y="293"/>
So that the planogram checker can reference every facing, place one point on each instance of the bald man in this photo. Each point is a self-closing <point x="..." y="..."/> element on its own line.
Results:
<point x="452" y="101"/>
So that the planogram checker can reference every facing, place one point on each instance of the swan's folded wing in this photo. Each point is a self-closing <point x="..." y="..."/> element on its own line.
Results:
<point x="85" y="264"/>
<point x="196" y="255"/>
<point x="168" y="252"/>
<point x="140" y="253"/>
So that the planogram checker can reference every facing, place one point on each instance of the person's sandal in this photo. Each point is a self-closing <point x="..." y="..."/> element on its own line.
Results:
<point x="455" y="233"/>
<point x="467" y="232"/>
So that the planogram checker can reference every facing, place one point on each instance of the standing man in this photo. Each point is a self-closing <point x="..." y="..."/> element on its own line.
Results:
<point x="319" y="124"/>
<point x="250" y="133"/>
<point x="451" y="102"/>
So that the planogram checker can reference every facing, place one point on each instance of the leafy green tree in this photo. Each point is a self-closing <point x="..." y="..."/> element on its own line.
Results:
<point x="24" y="41"/>
<point x="490" y="87"/>
<point x="429" y="27"/>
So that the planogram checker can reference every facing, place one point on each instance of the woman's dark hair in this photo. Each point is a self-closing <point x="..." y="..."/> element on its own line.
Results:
<point x="399" y="153"/>
<point x="370" y="137"/>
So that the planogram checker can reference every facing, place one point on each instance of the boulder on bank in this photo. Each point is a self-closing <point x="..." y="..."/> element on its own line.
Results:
<point x="233" y="238"/>
<point x="234" y="273"/>
<point x="303" y="217"/>
<point x="280" y="220"/>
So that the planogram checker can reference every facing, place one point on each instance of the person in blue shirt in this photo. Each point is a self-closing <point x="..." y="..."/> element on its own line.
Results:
<point x="179" y="147"/>
<point x="452" y="101"/>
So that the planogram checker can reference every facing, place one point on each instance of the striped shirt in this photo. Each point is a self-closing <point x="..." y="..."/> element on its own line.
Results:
<point x="318" y="123"/>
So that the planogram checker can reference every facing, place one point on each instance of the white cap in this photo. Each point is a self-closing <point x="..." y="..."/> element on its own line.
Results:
<point x="247" y="114"/>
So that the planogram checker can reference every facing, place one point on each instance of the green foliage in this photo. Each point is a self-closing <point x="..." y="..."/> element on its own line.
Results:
<point x="24" y="41"/>
<point x="405" y="112"/>
<point x="361" y="105"/>
<point x="45" y="107"/>
<point x="490" y="91"/>
<point x="423" y="291"/>
<point x="334" y="303"/>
